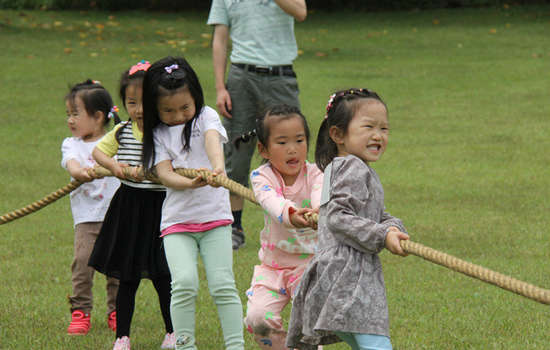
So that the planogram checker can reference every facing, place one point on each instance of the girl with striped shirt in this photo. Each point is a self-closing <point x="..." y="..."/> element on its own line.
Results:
<point x="129" y="246"/>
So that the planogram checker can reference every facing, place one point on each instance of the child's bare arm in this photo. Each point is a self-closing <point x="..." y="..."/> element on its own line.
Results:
<point x="80" y="173"/>
<point x="215" y="154"/>
<point x="109" y="163"/>
<point x="171" y="179"/>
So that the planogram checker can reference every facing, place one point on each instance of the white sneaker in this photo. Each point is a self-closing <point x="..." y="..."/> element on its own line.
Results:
<point x="169" y="341"/>
<point x="122" y="344"/>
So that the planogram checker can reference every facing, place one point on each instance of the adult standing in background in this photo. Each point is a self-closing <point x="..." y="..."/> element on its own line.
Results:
<point x="260" y="75"/>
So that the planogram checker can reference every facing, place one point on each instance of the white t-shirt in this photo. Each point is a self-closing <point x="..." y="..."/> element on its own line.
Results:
<point x="89" y="202"/>
<point x="199" y="205"/>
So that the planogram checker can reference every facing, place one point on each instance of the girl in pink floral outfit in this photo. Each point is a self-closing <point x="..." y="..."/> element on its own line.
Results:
<point x="287" y="187"/>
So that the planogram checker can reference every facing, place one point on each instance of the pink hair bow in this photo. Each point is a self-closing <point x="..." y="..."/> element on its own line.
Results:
<point x="171" y="68"/>
<point x="143" y="65"/>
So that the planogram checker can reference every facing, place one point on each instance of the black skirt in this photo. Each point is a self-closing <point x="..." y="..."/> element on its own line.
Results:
<point x="128" y="246"/>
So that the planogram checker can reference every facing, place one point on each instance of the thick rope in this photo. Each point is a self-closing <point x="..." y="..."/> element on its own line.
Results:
<point x="49" y="199"/>
<point x="505" y="282"/>
<point x="508" y="283"/>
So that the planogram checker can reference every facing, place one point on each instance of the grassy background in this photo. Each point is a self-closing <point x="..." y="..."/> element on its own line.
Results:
<point x="466" y="169"/>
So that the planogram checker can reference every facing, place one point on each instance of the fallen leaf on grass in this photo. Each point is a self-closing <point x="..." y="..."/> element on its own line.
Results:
<point x="493" y="31"/>
<point x="436" y="22"/>
<point x="320" y="54"/>
<point x="67" y="50"/>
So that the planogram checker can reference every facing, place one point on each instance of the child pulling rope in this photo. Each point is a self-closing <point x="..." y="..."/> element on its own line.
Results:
<point x="510" y="284"/>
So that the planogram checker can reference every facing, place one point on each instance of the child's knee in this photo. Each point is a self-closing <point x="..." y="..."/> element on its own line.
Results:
<point x="262" y="322"/>
<point x="185" y="286"/>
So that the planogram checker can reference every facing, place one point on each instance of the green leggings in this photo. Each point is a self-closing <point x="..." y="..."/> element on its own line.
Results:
<point x="182" y="252"/>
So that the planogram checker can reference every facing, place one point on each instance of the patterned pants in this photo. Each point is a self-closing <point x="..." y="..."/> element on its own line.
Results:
<point x="271" y="290"/>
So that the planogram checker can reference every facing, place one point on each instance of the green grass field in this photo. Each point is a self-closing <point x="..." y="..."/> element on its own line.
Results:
<point x="466" y="169"/>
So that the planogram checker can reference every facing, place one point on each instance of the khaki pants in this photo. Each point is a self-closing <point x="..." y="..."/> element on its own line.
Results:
<point x="83" y="275"/>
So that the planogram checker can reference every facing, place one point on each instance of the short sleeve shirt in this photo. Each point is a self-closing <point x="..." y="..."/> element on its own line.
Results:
<point x="199" y="205"/>
<point x="262" y="33"/>
<point x="90" y="201"/>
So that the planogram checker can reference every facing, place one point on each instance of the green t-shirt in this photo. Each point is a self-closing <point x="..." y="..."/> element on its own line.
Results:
<point x="262" y="33"/>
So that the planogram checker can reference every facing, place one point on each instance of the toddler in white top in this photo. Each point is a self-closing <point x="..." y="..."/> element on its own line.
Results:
<point x="89" y="110"/>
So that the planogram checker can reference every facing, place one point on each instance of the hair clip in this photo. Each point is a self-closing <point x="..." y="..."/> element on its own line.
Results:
<point x="171" y="68"/>
<point x="112" y="112"/>
<point x="96" y="82"/>
<point x="329" y="104"/>
<point x="143" y="65"/>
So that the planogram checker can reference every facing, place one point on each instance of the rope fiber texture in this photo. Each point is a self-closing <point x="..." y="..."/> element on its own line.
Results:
<point x="469" y="269"/>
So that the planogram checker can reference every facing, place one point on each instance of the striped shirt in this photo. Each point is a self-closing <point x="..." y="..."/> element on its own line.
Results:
<point x="128" y="151"/>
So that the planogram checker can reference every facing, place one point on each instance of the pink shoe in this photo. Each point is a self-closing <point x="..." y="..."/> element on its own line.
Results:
<point x="111" y="321"/>
<point x="122" y="344"/>
<point x="80" y="324"/>
<point x="169" y="341"/>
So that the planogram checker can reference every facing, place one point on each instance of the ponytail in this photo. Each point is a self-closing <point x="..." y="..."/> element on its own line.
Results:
<point x="245" y="138"/>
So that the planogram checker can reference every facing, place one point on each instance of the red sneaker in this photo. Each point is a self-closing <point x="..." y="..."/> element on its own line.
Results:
<point x="80" y="324"/>
<point x="111" y="321"/>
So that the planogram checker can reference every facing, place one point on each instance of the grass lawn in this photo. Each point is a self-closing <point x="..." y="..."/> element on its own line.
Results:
<point x="466" y="169"/>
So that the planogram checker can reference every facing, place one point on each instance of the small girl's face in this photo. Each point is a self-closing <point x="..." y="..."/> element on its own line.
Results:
<point x="368" y="133"/>
<point x="83" y="125"/>
<point x="286" y="148"/>
<point x="176" y="109"/>
<point x="134" y="105"/>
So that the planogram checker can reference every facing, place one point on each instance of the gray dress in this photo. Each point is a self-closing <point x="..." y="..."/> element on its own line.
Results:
<point x="342" y="288"/>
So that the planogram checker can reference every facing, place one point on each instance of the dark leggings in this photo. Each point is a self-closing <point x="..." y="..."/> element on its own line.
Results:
<point x="126" y="300"/>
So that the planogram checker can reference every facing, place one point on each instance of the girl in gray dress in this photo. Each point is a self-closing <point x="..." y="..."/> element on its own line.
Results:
<point x="342" y="294"/>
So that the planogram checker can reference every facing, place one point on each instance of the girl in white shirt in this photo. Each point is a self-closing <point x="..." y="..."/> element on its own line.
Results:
<point x="89" y="110"/>
<point x="180" y="132"/>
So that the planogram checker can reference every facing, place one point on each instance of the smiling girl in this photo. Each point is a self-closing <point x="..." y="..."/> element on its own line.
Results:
<point x="342" y="296"/>
<point x="287" y="187"/>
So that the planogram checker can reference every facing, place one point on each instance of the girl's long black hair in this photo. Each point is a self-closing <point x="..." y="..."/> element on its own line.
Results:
<point x="167" y="76"/>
